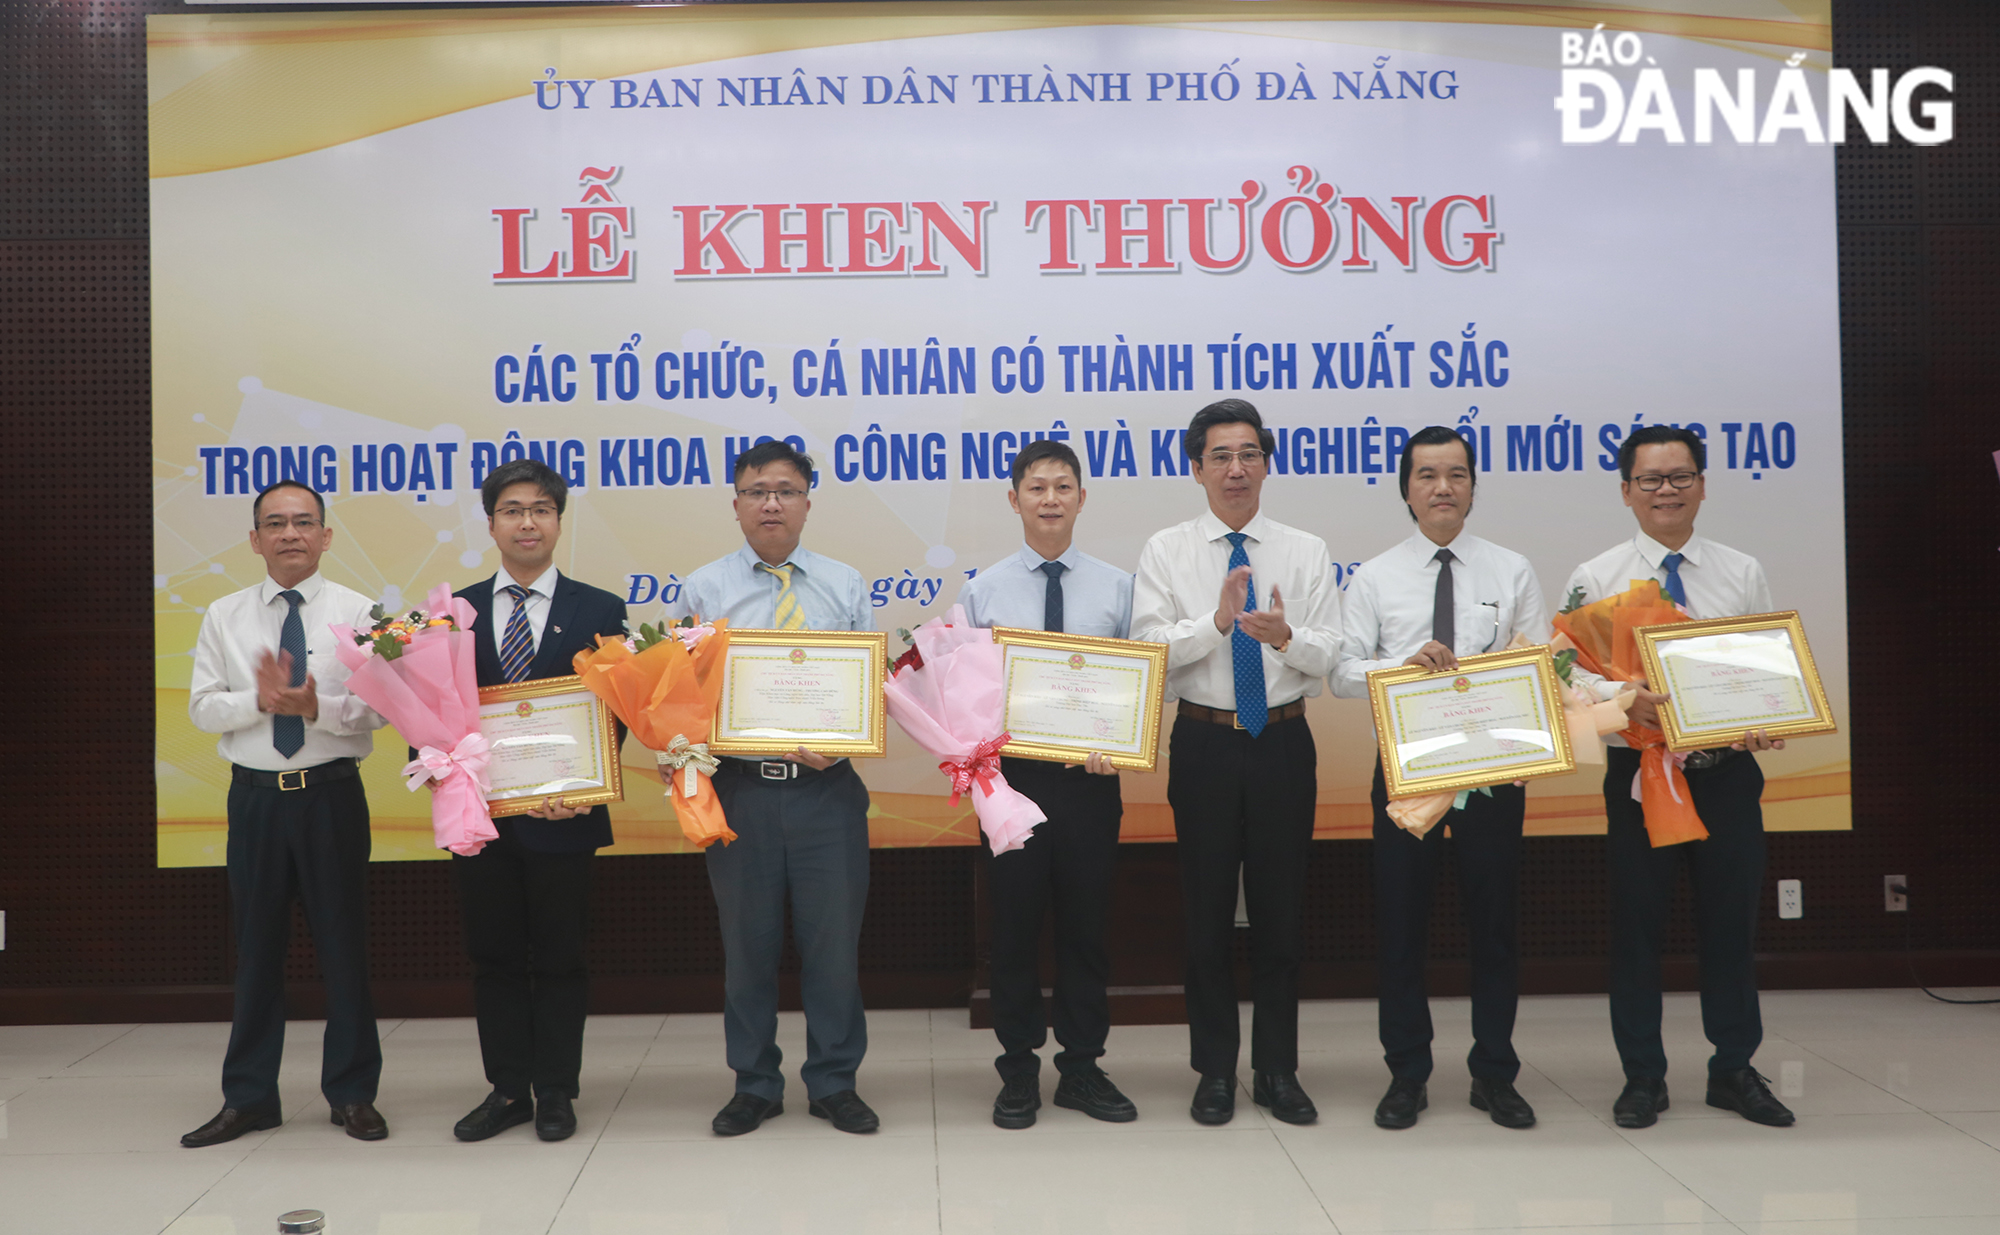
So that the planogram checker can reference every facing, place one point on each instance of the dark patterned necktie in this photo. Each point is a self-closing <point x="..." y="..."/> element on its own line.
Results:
<point x="1443" y="609"/>
<point x="288" y="733"/>
<point x="518" y="648"/>
<point x="1052" y="607"/>
<point x="1253" y="706"/>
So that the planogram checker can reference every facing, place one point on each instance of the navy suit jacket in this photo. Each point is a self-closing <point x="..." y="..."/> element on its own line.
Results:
<point x="576" y="614"/>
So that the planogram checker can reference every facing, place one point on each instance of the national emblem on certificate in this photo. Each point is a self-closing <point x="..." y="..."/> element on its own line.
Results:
<point x="1495" y="719"/>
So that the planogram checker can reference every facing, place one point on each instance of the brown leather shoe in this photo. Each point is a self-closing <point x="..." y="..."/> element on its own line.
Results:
<point x="362" y="1121"/>
<point x="231" y="1123"/>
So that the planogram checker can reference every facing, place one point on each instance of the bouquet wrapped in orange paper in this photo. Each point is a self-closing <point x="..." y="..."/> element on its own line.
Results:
<point x="1601" y="635"/>
<point x="665" y="683"/>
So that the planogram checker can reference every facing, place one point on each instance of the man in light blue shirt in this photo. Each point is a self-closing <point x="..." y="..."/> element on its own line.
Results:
<point x="1067" y="863"/>
<point x="801" y="822"/>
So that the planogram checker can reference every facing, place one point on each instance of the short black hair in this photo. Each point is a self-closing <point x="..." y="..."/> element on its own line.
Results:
<point x="1435" y="435"/>
<point x="519" y="472"/>
<point x="764" y="454"/>
<point x="257" y="507"/>
<point x="1225" y="412"/>
<point x="1046" y="448"/>
<point x="1661" y="435"/>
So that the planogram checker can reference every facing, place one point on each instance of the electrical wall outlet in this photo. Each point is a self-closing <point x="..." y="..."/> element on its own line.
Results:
<point x="1895" y="894"/>
<point x="1789" y="902"/>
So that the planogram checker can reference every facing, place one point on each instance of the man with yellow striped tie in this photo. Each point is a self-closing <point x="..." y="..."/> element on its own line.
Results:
<point x="801" y="822"/>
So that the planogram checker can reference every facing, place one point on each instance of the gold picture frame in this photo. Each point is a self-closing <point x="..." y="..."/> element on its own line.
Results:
<point x="1429" y="746"/>
<point x="1120" y="669"/>
<point x="1759" y="674"/>
<point x="820" y="691"/>
<point x="527" y="763"/>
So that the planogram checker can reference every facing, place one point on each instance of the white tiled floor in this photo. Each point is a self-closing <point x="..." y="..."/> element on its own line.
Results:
<point x="1898" y="1098"/>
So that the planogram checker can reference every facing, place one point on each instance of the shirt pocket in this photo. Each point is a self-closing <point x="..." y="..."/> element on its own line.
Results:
<point x="1482" y="630"/>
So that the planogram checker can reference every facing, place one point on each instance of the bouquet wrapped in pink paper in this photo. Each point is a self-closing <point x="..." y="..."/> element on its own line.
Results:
<point x="417" y="671"/>
<point x="948" y="699"/>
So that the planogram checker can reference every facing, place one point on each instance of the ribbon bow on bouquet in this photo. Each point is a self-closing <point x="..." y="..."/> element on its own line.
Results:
<point x="687" y="763"/>
<point x="982" y="766"/>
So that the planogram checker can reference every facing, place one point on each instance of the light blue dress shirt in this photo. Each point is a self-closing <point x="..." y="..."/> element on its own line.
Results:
<point x="831" y="593"/>
<point x="1097" y="596"/>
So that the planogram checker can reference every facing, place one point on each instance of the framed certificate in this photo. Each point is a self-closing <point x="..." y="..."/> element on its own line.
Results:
<point x="1069" y="695"/>
<point x="550" y="738"/>
<point x="1727" y="676"/>
<point x="820" y="689"/>
<point x="1495" y="719"/>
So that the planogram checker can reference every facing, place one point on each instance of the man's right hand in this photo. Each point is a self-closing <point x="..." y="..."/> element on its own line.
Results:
<point x="1235" y="591"/>
<point x="1435" y="657"/>
<point x="1645" y="709"/>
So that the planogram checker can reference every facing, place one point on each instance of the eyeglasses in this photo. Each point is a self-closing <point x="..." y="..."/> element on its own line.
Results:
<point x="275" y="524"/>
<point x="1651" y="481"/>
<point x="537" y="512"/>
<point x="1222" y="458"/>
<point x="760" y="496"/>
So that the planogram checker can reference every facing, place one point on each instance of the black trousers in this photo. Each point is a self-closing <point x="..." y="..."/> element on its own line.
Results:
<point x="1066" y="867"/>
<point x="1486" y="841"/>
<point x="526" y="918"/>
<point x="312" y="843"/>
<point x="1243" y="803"/>
<point x="1727" y="871"/>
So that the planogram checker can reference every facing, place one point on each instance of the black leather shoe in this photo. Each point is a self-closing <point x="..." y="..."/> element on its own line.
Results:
<point x="492" y="1117"/>
<point x="845" y="1110"/>
<point x="744" y="1113"/>
<point x="555" y="1118"/>
<point x="1280" y="1091"/>
<point x="1749" y="1095"/>
<point x="1502" y="1101"/>
<point x="1214" y="1100"/>
<point x="362" y="1121"/>
<point x="1019" y="1099"/>
<point x="1639" y="1106"/>
<point x="1093" y="1093"/>
<point x="230" y="1123"/>
<point x="1398" y="1108"/>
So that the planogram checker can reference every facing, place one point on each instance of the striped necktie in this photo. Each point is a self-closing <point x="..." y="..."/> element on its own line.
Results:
<point x="790" y="614"/>
<point x="518" y="648"/>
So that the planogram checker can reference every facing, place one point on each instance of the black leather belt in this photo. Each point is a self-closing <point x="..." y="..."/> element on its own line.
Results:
<point x="770" y="769"/>
<point x="325" y="773"/>
<point x="1701" y="760"/>
<point x="1215" y="716"/>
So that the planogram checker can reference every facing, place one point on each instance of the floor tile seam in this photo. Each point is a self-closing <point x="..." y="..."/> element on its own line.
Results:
<point x="1840" y="1067"/>
<point x="129" y="1031"/>
<point x="937" y="1148"/>
<point x="1299" y="1171"/>
<point x="597" y="1140"/>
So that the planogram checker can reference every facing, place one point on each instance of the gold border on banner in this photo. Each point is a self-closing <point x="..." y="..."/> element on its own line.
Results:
<point x="1563" y="761"/>
<point x="1153" y="654"/>
<point x="876" y="710"/>
<point x="1680" y="739"/>
<point x="606" y="738"/>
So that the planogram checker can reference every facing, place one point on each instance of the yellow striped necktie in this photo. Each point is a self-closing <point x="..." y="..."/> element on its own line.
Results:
<point x="790" y="614"/>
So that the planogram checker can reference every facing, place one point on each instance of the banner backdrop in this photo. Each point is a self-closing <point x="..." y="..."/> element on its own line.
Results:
<point x="391" y="250"/>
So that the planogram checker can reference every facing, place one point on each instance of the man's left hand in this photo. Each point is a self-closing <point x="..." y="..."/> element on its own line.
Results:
<point x="553" y="808"/>
<point x="1757" y="740"/>
<point x="1266" y="625"/>
<point x="817" y="762"/>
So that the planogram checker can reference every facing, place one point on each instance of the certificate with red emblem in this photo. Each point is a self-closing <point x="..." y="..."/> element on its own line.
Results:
<point x="820" y="689"/>
<point x="1068" y="696"/>
<point x="550" y="738"/>
<point x="1495" y="719"/>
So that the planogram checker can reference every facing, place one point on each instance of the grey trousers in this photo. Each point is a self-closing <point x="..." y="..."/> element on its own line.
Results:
<point x="806" y="839"/>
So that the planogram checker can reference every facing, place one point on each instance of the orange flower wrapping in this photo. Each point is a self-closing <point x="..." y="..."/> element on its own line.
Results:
<point x="666" y="692"/>
<point x="1606" y="646"/>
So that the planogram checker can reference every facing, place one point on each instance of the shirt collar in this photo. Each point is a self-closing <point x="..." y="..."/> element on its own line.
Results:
<point x="544" y="586"/>
<point x="308" y="587"/>
<point x="799" y="561"/>
<point x="1421" y="547"/>
<point x="1653" y="552"/>
<point x="1031" y="560"/>
<point x="1213" y="528"/>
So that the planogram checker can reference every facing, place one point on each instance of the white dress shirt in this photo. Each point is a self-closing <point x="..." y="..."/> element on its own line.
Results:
<point x="1391" y="600"/>
<point x="1180" y="580"/>
<point x="236" y="632"/>
<point x="1097" y="596"/>
<point x="541" y="595"/>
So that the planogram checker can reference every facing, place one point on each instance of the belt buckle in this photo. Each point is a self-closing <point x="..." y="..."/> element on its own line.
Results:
<point x="1236" y="719"/>
<point x="774" y="770"/>
<point x="300" y="773"/>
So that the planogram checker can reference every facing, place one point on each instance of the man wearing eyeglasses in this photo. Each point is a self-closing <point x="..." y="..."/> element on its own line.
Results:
<point x="801" y="822"/>
<point x="1661" y="469"/>
<point x="266" y="679"/>
<point x="1250" y="614"/>
<point x="526" y="895"/>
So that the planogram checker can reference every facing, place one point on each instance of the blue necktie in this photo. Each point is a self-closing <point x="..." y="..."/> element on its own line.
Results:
<point x="1253" y="707"/>
<point x="519" y="646"/>
<point x="288" y="733"/>
<point x="1675" y="592"/>
<point x="1052" y="609"/>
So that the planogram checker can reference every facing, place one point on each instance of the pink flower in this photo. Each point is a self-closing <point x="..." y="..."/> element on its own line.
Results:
<point x="691" y="635"/>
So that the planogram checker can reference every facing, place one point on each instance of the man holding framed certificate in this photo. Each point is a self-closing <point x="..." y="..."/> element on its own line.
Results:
<point x="1250" y="613"/>
<point x="526" y="894"/>
<point x="1066" y="864"/>
<point x="801" y="821"/>
<point x="1661" y="471"/>
<point x="1439" y="595"/>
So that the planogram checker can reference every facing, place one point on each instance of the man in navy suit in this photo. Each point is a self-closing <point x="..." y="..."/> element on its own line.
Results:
<point x="526" y="895"/>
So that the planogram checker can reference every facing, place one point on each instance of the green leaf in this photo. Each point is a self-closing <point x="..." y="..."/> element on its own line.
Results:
<point x="379" y="613"/>
<point x="1564" y="661"/>
<point x="1575" y="601"/>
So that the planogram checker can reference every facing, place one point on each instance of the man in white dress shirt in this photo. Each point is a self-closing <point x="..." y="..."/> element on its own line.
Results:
<point x="1442" y="594"/>
<point x="265" y="678"/>
<point x="1661" y="469"/>
<point x="1250" y="614"/>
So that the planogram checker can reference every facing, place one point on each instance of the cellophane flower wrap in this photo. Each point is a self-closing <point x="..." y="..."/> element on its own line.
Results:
<point x="949" y="699"/>
<point x="1601" y="633"/>
<point x="665" y="684"/>
<point x="430" y="693"/>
